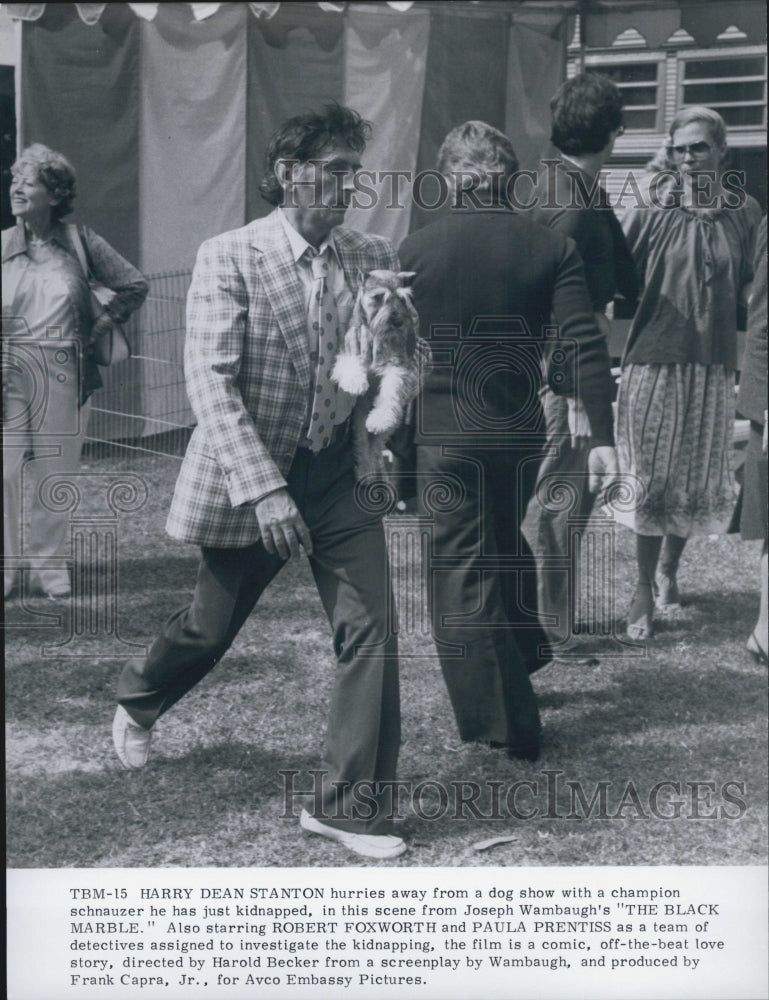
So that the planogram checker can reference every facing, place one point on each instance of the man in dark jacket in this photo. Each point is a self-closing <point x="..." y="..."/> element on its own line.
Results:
<point x="587" y="119"/>
<point x="489" y="283"/>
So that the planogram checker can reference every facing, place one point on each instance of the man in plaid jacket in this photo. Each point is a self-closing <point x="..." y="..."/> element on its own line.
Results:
<point x="254" y="490"/>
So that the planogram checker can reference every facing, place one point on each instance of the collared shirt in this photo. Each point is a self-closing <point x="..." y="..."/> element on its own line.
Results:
<point x="336" y="282"/>
<point x="44" y="293"/>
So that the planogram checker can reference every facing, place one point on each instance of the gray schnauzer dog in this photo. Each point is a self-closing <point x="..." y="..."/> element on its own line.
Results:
<point x="379" y="363"/>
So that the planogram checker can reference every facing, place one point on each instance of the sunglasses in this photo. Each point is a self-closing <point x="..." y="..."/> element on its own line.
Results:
<point x="697" y="149"/>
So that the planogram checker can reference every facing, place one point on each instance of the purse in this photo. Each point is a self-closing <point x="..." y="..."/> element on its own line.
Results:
<point x="112" y="346"/>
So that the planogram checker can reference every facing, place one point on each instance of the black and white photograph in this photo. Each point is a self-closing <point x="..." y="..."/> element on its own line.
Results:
<point x="385" y="499"/>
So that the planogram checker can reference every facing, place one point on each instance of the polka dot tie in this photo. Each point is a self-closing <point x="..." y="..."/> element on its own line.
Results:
<point x="328" y="406"/>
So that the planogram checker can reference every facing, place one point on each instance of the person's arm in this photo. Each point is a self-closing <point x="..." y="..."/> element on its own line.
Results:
<point x="586" y="374"/>
<point x="586" y="227"/>
<point x="625" y="272"/>
<point x="217" y="317"/>
<point x="113" y="270"/>
<point x="636" y="225"/>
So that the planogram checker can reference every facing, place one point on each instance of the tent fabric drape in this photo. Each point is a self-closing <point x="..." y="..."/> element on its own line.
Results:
<point x="386" y="58"/>
<point x="193" y="133"/>
<point x="536" y="67"/>
<point x="91" y="12"/>
<point x="465" y="80"/>
<point x="295" y="62"/>
<point x="80" y="95"/>
<point x="603" y="20"/>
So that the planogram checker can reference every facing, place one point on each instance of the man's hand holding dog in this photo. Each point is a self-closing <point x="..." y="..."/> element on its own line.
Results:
<point x="281" y="525"/>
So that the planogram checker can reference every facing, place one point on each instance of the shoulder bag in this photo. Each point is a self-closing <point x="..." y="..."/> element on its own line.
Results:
<point x="112" y="346"/>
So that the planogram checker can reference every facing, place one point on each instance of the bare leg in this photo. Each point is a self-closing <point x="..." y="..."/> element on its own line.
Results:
<point x="667" y="584"/>
<point x="642" y="605"/>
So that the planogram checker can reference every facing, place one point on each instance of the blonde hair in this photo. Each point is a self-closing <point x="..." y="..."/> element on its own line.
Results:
<point x="54" y="171"/>
<point x="479" y="148"/>
<point x="699" y="113"/>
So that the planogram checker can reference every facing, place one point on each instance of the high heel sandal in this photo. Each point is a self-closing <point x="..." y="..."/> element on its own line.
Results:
<point x="755" y="648"/>
<point x="639" y="617"/>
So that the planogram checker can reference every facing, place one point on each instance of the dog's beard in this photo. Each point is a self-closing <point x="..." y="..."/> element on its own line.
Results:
<point x="392" y="329"/>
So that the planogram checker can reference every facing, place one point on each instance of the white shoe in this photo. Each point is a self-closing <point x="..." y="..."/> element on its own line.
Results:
<point x="368" y="845"/>
<point x="132" y="741"/>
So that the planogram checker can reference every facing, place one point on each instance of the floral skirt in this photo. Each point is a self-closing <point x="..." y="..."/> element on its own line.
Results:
<point x="674" y="445"/>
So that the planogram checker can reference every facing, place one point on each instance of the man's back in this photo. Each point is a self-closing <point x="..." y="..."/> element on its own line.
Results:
<point x="482" y="263"/>
<point x="476" y="272"/>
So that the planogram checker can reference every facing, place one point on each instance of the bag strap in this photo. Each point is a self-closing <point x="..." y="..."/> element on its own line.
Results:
<point x="77" y="242"/>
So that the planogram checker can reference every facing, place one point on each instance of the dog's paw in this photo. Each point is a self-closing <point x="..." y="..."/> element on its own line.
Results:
<point x="382" y="420"/>
<point x="350" y="375"/>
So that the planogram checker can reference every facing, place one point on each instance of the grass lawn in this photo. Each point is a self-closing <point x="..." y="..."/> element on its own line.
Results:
<point x="690" y="709"/>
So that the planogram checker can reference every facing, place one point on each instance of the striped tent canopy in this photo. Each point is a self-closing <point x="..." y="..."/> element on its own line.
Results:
<point x="604" y="20"/>
<point x="91" y="12"/>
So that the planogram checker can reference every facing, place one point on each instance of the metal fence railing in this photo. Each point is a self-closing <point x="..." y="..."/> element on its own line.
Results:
<point x="143" y="407"/>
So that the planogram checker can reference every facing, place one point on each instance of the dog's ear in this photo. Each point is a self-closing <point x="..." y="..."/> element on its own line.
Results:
<point x="406" y="277"/>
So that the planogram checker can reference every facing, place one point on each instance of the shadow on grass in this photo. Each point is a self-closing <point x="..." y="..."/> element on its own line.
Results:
<point x="141" y="817"/>
<point x="79" y="689"/>
<point x="661" y="693"/>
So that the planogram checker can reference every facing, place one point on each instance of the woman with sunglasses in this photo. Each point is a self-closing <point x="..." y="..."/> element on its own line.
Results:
<point x="693" y="249"/>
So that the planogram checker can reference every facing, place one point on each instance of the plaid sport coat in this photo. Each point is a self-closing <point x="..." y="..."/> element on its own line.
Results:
<point x="247" y="372"/>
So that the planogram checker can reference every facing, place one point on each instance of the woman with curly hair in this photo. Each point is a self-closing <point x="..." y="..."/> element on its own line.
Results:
<point x="693" y="251"/>
<point x="49" y="368"/>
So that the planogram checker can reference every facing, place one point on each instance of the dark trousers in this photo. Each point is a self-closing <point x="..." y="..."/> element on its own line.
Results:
<point x="561" y="496"/>
<point x="482" y="588"/>
<point x="349" y="563"/>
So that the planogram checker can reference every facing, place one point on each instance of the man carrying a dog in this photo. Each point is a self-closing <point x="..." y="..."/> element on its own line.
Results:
<point x="489" y="283"/>
<point x="269" y="471"/>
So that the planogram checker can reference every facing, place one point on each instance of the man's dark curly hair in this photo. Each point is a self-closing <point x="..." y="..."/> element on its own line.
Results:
<point x="585" y="110"/>
<point x="305" y="136"/>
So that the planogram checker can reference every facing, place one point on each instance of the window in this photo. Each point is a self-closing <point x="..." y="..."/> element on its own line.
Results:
<point x="735" y="87"/>
<point x="639" y="83"/>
